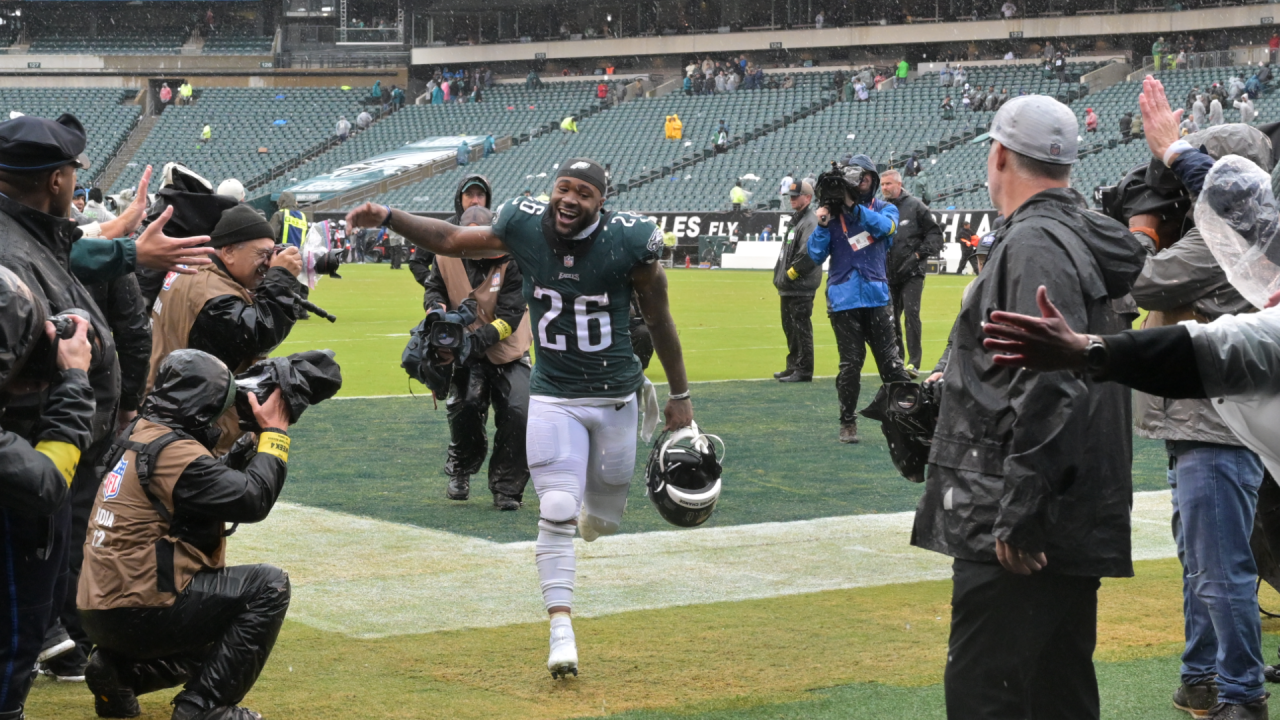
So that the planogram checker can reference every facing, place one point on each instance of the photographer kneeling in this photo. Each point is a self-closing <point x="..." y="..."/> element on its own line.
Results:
<point x="491" y="366"/>
<point x="238" y="309"/>
<point x="155" y="594"/>
<point x="858" y="244"/>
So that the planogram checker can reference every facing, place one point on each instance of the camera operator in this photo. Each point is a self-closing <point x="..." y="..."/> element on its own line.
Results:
<point x="238" y="309"/>
<point x="494" y="370"/>
<point x="1028" y="484"/>
<point x="797" y="277"/>
<point x="155" y="595"/>
<point x="1213" y="477"/>
<point x="917" y="238"/>
<point x="857" y="237"/>
<point x="35" y="471"/>
<point x="473" y="191"/>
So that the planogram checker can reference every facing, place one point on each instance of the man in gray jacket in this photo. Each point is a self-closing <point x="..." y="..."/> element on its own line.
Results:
<point x="1214" y="479"/>
<point x="918" y="237"/>
<point x="797" y="278"/>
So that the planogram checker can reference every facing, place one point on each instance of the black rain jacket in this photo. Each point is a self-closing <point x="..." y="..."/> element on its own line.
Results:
<point x="235" y="331"/>
<point x="130" y="319"/>
<point x="795" y="254"/>
<point x="37" y="247"/>
<point x="422" y="260"/>
<point x="1041" y="460"/>
<point x="30" y="483"/>
<point x="917" y="238"/>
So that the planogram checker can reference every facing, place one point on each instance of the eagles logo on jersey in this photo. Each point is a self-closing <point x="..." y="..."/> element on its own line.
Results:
<point x="580" y="308"/>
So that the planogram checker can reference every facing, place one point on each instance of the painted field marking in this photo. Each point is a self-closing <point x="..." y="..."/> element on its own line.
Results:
<point x="372" y="578"/>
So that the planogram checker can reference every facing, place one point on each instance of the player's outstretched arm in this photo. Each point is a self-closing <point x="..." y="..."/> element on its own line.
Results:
<point x="650" y="283"/>
<point x="435" y="236"/>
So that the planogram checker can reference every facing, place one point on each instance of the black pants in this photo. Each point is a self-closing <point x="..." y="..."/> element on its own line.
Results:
<point x="215" y="638"/>
<point x="968" y="256"/>
<point x="33" y="573"/>
<point x="397" y="255"/>
<point x="855" y="330"/>
<point x="797" y="325"/>
<point x="905" y="297"/>
<point x="474" y="389"/>
<point x="1021" y="646"/>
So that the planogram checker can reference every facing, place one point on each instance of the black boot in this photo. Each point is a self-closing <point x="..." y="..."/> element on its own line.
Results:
<point x="111" y="697"/>
<point x="188" y="706"/>
<point x="784" y="373"/>
<point x="459" y="487"/>
<point x="849" y="433"/>
<point x="505" y="502"/>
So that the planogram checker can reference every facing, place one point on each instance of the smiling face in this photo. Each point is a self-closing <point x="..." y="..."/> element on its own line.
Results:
<point x="247" y="262"/>
<point x="575" y="204"/>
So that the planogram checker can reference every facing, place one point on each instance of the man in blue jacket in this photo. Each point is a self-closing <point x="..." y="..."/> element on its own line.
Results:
<point x="858" y="243"/>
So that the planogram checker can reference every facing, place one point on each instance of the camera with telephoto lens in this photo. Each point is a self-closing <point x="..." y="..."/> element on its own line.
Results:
<point x="1148" y="188"/>
<point x="835" y="186"/>
<point x="325" y="262"/>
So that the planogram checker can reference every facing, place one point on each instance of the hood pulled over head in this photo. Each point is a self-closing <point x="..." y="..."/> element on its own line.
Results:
<point x="192" y="389"/>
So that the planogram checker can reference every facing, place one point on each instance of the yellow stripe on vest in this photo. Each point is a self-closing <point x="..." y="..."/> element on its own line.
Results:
<point x="64" y="456"/>
<point x="504" y="328"/>
<point x="274" y="444"/>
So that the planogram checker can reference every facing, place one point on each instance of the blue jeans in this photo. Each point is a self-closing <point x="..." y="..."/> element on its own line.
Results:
<point x="1215" y="494"/>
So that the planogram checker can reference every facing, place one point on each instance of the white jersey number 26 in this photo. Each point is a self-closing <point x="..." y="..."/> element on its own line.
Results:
<point x="583" y="316"/>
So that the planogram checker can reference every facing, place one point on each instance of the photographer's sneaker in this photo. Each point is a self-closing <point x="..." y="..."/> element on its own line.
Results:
<point x="1197" y="699"/>
<point x="56" y="642"/>
<point x="459" y="487"/>
<point x="67" y="667"/>
<point x="564" y="648"/>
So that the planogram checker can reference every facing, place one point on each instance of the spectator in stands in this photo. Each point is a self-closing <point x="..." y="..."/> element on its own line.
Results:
<point x="1192" y="96"/>
<point x="789" y="82"/>
<point x="1253" y="87"/>
<point x="1264" y="74"/>
<point x="918" y="237"/>
<point x="1135" y="126"/>
<point x="446" y="89"/>
<point x="463" y="153"/>
<point x="185" y="92"/>
<point x="818" y="20"/>
<point x="1090" y="120"/>
<point x="721" y="140"/>
<point x="1273" y="45"/>
<point x="785" y="189"/>
<point x="1199" y="111"/>
<point x="961" y="77"/>
<point x="532" y="81"/>
<point x="797" y="277"/>
<point x="342" y="130"/>
<point x="720" y="82"/>
<point x="910" y="169"/>
<point x="437" y="94"/>
<point x="944" y="75"/>
<point x="397" y="97"/>
<point x="1245" y="106"/>
<point x="206" y="134"/>
<point x="1215" y="112"/>
<point x="731" y="82"/>
<point x="688" y="85"/>
<point x="375" y="93"/>
<point x="1187" y="126"/>
<point x="1049" y="51"/>
<point x="1235" y="87"/>
<point x="1126" y="125"/>
<point x="860" y="90"/>
<point x="569" y="124"/>
<point x="364" y="120"/>
<point x="166" y="94"/>
<point x="992" y="100"/>
<point x="901" y="75"/>
<point x="737" y="196"/>
<point x="948" y="109"/>
<point x="1157" y="52"/>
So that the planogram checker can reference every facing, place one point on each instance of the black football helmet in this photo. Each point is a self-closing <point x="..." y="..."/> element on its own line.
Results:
<point x="683" y="476"/>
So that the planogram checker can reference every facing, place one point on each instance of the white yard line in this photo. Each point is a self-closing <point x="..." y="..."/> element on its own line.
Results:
<point x="371" y="578"/>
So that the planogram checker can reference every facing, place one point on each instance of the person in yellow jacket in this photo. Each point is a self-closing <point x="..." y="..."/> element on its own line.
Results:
<point x="184" y="93"/>
<point x="738" y="196"/>
<point x="569" y="124"/>
<point x="674" y="128"/>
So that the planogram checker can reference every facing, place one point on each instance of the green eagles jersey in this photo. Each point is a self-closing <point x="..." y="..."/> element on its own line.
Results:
<point x="579" y="303"/>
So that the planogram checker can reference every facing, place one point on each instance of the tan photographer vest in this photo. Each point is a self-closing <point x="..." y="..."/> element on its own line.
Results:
<point x="181" y="299"/>
<point x="130" y="560"/>
<point x="511" y="348"/>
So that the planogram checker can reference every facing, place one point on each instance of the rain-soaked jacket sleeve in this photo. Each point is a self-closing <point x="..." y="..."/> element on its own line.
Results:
<point x="34" y="480"/>
<point x="1044" y="404"/>
<point x="1191" y="167"/>
<point x="209" y="488"/>
<point x="95" y="260"/>
<point x="1239" y="355"/>
<point x="232" y="330"/>
<point x="420" y="266"/>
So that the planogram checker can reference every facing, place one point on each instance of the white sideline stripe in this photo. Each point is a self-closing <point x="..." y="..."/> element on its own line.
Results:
<point x="371" y="578"/>
<point x="660" y="384"/>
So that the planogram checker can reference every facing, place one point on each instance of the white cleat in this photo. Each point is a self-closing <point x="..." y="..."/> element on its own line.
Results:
<point x="564" y="652"/>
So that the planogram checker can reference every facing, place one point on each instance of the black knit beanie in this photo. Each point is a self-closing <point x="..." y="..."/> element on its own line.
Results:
<point x="239" y="224"/>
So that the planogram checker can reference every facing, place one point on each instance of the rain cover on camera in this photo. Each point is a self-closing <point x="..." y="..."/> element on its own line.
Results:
<point x="304" y="379"/>
<point x="314" y="246"/>
<point x="1239" y="218"/>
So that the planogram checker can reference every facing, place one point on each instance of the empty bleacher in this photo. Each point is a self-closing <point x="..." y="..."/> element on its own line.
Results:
<point x="106" y="119"/>
<point x="286" y="123"/>
<point x="232" y="40"/>
<point x="158" y="40"/>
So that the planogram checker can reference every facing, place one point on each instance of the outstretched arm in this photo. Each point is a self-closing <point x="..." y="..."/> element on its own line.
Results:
<point x="436" y="236"/>
<point x="650" y="283"/>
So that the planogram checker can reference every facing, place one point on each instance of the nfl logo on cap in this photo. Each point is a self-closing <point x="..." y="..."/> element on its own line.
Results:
<point x="1055" y="149"/>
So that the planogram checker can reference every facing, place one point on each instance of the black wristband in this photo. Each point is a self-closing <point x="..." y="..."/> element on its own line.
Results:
<point x="276" y="430"/>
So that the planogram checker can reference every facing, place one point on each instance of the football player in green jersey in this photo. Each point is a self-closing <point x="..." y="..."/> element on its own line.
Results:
<point x="580" y="265"/>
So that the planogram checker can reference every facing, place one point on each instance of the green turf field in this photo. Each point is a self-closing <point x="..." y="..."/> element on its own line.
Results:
<point x="366" y="531"/>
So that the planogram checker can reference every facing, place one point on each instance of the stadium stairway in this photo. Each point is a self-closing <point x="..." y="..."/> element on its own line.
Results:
<point x="124" y="156"/>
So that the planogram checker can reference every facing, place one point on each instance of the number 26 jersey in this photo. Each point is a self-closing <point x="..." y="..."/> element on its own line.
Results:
<point x="579" y="302"/>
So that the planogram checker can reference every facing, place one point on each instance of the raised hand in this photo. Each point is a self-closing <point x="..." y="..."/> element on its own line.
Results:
<point x="1159" y="120"/>
<point x="1038" y="343"/>
<point x="161" y="252"/>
